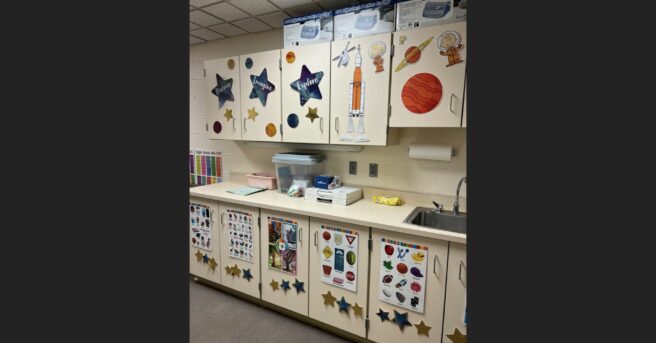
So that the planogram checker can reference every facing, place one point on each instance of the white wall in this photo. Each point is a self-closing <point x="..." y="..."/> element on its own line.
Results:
<point x="395" y="169"/>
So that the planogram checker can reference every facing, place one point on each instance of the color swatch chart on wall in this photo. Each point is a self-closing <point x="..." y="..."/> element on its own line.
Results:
<point x="204" y="167"/>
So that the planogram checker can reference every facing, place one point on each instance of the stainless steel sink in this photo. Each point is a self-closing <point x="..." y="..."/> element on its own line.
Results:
<point x="432" y="218"/>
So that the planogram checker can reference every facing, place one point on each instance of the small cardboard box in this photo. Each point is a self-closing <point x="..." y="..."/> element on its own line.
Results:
<point x="421" y="13"/>
<point x="308" y="29"/>
<point x="364" y="19"/>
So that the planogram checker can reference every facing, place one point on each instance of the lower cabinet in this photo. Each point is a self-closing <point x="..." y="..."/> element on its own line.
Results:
<point x="455" y="305"/>
<point x="240" y="242"/>
<point x="407" y="288"/>
<point x="284" y="259"/>
<point x="204" y="256"/>
<point x="339" y="261"/>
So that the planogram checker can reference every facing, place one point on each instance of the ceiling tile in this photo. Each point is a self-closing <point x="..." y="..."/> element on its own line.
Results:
<point x="274" y="19"/>
<point x="254" y="7"/>
<point x="335" y="4"/>
<point x="290" y="3"/>
<point x="304" y="9"/>
<point x="193" y="26"/>
<point x="203" y="19"/>
<point x="226" y="11"/>
<point x="227" y="29"/>
<point x="201" y="3"/>
<point x="194" y="40"/>
<point x="206" y="34"/>
<point x="251" y="25"/>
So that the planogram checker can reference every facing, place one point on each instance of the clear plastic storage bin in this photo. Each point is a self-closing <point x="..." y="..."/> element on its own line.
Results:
<point x="297" y="167"/>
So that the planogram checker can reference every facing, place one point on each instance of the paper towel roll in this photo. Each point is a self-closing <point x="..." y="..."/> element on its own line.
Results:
<point x="431" y="152"/>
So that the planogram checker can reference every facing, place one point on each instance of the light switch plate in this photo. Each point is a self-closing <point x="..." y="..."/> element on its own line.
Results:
<point x="353" y="167"/>
<point x="373" y="169"/>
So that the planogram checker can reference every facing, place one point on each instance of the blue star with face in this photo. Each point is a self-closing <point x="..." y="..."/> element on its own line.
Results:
<point x="383" y="315"/>
<point x="261" y="87"/>
<point x="343" y="305"/>
<point x="401" y="319"/>
<point x="308" y="85"/>
<point x="247" y="274"/>
<point x="299" y="286"/>
<point x="285" y="285"/>
<point x="223" y="90"/>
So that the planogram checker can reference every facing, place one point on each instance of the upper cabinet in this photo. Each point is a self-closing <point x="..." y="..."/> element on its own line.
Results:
<point x="223" y="98"/>
<point x="260" y="101"/>
<point x="428" y="76"/>
<point x="360" y="85"/>
<point x="306" y="93"/>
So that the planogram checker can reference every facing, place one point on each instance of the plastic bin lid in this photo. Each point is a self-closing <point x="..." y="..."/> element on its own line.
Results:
<point x="297" y="158"/>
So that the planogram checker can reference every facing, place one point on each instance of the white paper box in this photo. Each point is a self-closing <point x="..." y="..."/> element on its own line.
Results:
<point x="308" y="29"/>
<point x="341" y="196"/>
<point x="364" y="19"/>
<point x="421" y="13"/>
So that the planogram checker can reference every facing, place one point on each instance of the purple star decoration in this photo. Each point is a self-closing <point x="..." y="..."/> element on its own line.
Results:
<point x="308" y="85"/>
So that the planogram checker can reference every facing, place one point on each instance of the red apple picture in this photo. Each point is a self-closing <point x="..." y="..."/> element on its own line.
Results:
<point x="326" y="235"/>
<point x="389" y="250"/>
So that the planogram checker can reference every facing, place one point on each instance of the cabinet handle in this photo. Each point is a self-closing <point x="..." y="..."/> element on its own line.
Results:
<point x="321" y="124"/>
<point x="451" y="103"/>
<point x="337" y="124"/>
<point x="300" y="235"/>
<point x="434" y="269"/>
<point x="245" y="129"/>
<point x="211" y="216"/>
<point x="316" y="234"/>
<point x="222" y="219"/>
<point x="462" y="264"/>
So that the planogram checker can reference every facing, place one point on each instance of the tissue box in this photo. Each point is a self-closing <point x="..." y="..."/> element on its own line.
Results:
<point x="323" y="181"/>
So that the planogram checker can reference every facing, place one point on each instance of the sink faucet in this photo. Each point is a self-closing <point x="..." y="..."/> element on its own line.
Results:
<point x="456" y="204"/>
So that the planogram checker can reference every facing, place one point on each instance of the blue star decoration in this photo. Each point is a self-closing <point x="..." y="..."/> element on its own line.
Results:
<point x="247" y="274"/>
<point x="223" y="90"/>
<point x="401" y="319"/>
<point x="206" y="258"/>
<point x="285" y="285"/>
<point x="308" y="85"/>
<point x="383" y="315"/>
<point x="299" y="286"/>
<point x="261" y="87"/>
<point x="343" y="305"/>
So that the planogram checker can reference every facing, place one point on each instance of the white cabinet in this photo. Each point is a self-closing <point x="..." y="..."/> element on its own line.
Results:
<point x="428" y="76"/>
<point x="240" y="248"/>
<point x="359" y="88"/>
<point x="456" y="295"/>
<point x="464" y="108"/>
<point x="261" y="96"/>
<point x="306" y="93"/>
<point x="204" y="255"/>
<point x="223" y="98"/>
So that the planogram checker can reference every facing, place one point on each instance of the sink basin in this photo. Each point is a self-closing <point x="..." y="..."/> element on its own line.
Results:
<point x="432" y="218"/>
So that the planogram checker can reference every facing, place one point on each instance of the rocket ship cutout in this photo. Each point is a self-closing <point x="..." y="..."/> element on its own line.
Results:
<point x="356" y="104"/>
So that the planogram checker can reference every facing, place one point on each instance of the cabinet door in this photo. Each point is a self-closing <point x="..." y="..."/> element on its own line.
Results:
<point x="421" y="262"/>
<point x="339" y="261"/>
<point x="204" y="255"/>
<point x="456" y="293"/>
<point x="260" y="101"/>
<point x="240" y="243"/>
<point x="284" y="258"/>
<point x="223" y="98"/>
<point x="428" y="76"/>
<point x="306" y="93"/>
<point x="360" y="90"/>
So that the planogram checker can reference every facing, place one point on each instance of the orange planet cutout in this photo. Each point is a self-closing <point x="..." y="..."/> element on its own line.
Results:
<point x="421" y="93"/>
<point x="231" y="64"/>
<point x="270" y="130"/>
<point x="412" y="54"/>
<point x="290" y="57"/>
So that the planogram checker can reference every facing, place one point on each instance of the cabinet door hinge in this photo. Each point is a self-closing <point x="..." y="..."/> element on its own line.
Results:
<point x="207" y="127"/>
<point x="389" y="111"/>
<point x="370" y="244"/>
<point x="259" y="222"/>
<point x="280" y="129"/>
<point x="392" y="51"/>
<point x="259" y="286"/>
<point x="204" y="75"/>
<point x="280" y="63"/>
<point x="366" y="323"/>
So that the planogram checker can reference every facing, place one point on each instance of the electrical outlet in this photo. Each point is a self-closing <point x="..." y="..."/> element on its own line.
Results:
<point x="353" y="167"/>
<point x="373" y="169"/>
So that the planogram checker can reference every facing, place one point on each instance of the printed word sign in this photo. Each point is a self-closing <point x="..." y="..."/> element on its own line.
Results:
<point x="201" y="226"/>
<point x="403" y="274"/>
<point x="339" y="250"/>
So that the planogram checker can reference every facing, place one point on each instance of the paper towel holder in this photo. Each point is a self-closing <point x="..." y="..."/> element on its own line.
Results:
<point x="454" y="152"/>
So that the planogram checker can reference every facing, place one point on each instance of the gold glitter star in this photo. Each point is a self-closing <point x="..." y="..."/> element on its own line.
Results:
<point x="328" y="299"/>
<point x="213" y="263"/>
<point x="228" y="114"/>
<point x="357" y="310"/>
<point x="274" y="285"/>
<point x="422" y="329"/>
<point x="236" y="271"/>
<point x="228" y="270"/>
<point x="252" y="114"/>
<point x="457" y="337"/>
<point x="312" y="114"/>
<point x="199" y="256"/>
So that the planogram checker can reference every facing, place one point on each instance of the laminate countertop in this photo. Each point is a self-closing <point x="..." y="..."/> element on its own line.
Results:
<point x="363" y="212"/>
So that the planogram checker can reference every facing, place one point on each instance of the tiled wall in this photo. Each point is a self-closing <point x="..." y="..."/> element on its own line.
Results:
<point x="395" y="169"/>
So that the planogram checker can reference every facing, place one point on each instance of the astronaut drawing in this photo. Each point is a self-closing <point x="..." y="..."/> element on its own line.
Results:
<point x="356" y="104"/>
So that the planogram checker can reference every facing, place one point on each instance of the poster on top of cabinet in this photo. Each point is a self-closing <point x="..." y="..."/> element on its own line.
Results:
<point x="240" y="231"/>
<point x="201" y="226"/>
<point x="403" y="274"/>
<point x="282" y="244"/>
<point x="339" y="249"/>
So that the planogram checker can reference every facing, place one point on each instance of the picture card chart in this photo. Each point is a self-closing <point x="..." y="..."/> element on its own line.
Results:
<point x="240" y="230"/>
<point x="201" y="226"/>
<point x="282" y="244"/>
<point x="339" y="249"/>
<point x="403" y="274"/>
<point x="204" y="167"/>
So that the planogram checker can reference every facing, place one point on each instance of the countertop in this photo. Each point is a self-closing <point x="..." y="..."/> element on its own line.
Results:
<point x="363" y="212"/>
